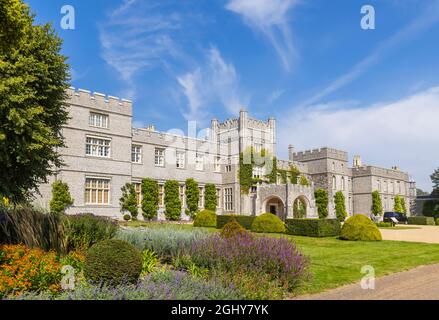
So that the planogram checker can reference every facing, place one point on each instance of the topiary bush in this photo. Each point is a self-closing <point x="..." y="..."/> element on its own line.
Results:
<point x="232" y="229"/>
<point x="127" y="217"/>
<point x="313" y="227"/>
<point x="384" y="224"/>
<point x="360" y="227"/>
<point x="268" y="223"/>
<point x="205" y="218"/>
<point x="244" y="221"/>
<point x="113" y="262"/>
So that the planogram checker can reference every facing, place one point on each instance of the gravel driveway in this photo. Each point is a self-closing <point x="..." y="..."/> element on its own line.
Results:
<point x="429" y="234"/>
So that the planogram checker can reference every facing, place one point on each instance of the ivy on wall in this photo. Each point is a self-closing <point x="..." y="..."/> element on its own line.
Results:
<point x="272" y="176"/>
<point x="150" y="198"/>
<point x="172" y="200"/>
<point x="294" y="174"/>
<point x="245" y="171"/>
<point x="192" y="197"/>
<point x="210" y="200"/>
<point x="303" y="181"/>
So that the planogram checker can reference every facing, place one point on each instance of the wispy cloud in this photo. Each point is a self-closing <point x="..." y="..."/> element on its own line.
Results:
<point x="271" y="19"/>
<point x="214" y="82"/>
<point x="420" y="24"/>
<point x="403" y="133"/>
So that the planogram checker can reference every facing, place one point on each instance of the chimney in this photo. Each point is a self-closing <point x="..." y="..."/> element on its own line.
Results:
<point x="357" y="161"/>
<point x="291" y="152"/>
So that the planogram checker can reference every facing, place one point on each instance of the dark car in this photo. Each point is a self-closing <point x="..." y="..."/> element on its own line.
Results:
<point x="401" y="217"/>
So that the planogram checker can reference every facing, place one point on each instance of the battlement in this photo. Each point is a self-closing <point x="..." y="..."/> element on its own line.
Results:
<point x="286" y="165"/>
<point x="258" y="124"/>
<point x="320" y="153"/>
<point x="381" y="172"/>
<point x="96" y="99"/>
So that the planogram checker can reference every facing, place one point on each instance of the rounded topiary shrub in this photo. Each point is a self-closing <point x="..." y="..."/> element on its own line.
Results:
<point x="127" y="217"/>
<point x="360" y="227"/>
<point x="269" y="223"/>
<point x="205" y="218"/>
<point x="233" y="229"/>
<point x="113" y="262"/>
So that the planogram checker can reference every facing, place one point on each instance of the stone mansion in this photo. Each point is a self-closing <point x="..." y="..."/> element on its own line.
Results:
<point x="103" y="152"/>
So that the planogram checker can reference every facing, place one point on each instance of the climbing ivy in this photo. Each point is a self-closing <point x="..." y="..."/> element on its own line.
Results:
<point x="303" y="181"/>
<point x="294" y="174"/>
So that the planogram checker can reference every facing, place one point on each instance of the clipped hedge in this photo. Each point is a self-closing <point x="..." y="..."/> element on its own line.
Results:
<point x="113" y="262"/>
<point x="245" y="221"/>
<point x="384" y="224"/>
<point x="268" y="223"/>
<point x="422" y="220"/>
<point x="360" y="227"/>
<point x="313" y="227"/>
<point x="205" y="218"/>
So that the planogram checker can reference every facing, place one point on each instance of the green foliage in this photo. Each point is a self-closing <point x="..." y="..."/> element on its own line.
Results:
<point x="430" y="208"/>
<point x="299" y="208"/>
<point x="340" y="207"/>
<point x="127" y="217"/>
<point x="313" y="227"/>
<point x="113" y="262"/>
<point x="421" y="220"/>
<point x="303" y="181"/>
<point x="421" y="192"/>
<point x="205" y="218"/>
<point x="84" y="230"/>
<point x="244" y="221"/>
<point x="210" y="200"/>
<point x="185" y="263"/>
<point x="294" y="174"/>
<point x="435" y="179"/>
<point x="34" y="80"/>
<point x="61" y="198"/>
<point x="268" y="223"/>
<point x="321" y="198"/>
<point x="232" y="229"/>
<point x="437" y="221"/>
<point x="150" y="198"/>
<point x="398" y="206"/>
<point x="192" y="197"/>
<point x="150" y="261"/>
<point x="272" y="176"/>
<point x="128" y="201"/>
<point x="360" y="227"/>
<point x="384" y="224"/>
<point x="283" y="176"/>
<point x="377" y="206"/>
<point x="245" y="171"/>
<point x="403" y="206"/>
<point x="172" y="200"/>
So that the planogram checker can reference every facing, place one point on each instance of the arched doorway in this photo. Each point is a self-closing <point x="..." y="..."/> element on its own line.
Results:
<point x="300" y="206"/>
<point x="275" y="205"/>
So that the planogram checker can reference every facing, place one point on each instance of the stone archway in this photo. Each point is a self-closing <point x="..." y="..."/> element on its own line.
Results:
<point x="300" y="207"/>
<point x="275" y="205"/>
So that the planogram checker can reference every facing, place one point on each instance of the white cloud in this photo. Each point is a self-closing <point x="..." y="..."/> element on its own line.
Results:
<point x="271" y="19"/>
<point x="403" y="133"/>
<point x="213" y="82"/>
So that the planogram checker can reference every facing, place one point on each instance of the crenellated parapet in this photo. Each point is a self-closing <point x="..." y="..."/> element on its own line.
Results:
<point x="321" y="153"/>
<point x="379" y="172"/>
<point x="96" y="100"/>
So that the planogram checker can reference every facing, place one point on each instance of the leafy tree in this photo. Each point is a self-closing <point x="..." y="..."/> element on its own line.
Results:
<point x="377" y="206"/>
<point x="303" y="181"/>
<point x="210" y="197"/>
<point x="321" y="197"/>
<point x="397" y="206"/>
<point x="294" y="174"/>
<point x="192" y="197"/>
<point x="421" y="192"/>
<point x="340" y="206"/>
<point x="128" y="201"/>
<point x="435" y="179"/>
<point x="172" y="200"/>
<point x="299" y="209"/>
<point x="61" y="198"/>
<point x="34" y="78"/>
<point x="403" y="206"/>
<point x="150" y="198"/>
<point x="430" y="208"/>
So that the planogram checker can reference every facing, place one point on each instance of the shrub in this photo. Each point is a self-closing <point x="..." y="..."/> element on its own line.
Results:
<point x="167" y="241"/>
<point x="127" y="217"/>
<point x="321" y="198"/>
<point x="172" y="200"/>
<point x="113" y="262"/>
<point x="210" y="197"/>
<point x="150" y="198"/>
<point x="294" y="174"/>
<point x="263" y="258"/>
<point x="384" y="224"/>
<point x="128" y="201"/>
<point x="269" y="223"/>
<point x="360" y="227"/>
<point x="205" y="218"/>
<point x="437" y="221"/>
<point x="61" y="198"/>
<point x="192" y="196"/>
<point x="303" y="181"/>
<point x="313" y="227"/>
<point x="149" y="261"/>
<point x="340" y="206"/>
<point x="245" y="221"/>
<point x="84" y="230"/>
<point x="430" y="208"/>
<point x="23" y="269"/>
<point x="232" y="229"/>
<point x="421" y="220"/>
<point x="377" y="206"/>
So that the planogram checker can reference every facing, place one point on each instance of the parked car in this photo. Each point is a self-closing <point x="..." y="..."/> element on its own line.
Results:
<point x="401" y="217"/>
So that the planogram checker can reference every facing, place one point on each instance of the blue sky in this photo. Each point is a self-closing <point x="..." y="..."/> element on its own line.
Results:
<point x="308" y="63"/>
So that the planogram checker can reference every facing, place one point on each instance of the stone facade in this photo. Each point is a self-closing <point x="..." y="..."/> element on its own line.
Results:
<point x="104" y="152"/>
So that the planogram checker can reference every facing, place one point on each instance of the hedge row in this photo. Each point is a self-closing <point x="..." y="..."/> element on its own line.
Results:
<point x="313" y="227"/>
<point x="245" y="221"/>
<point x="421" y="220"/>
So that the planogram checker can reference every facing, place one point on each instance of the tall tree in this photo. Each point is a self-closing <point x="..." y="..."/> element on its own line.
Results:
<point x="61" y="198"/>
<point x="435" y="179"/>
<point x="128" y="201"/>
<point x="397" y="205"/>
<point x="192" y="197"/>
<point x="172" y="200"/>
<point x="33" y="81"/>
<point x="150" y="198"/>
<point x="377" y="206"/>
<point x="210" y="199"/>
<point x="321" y="197"/>
<point x="340" y="206"/>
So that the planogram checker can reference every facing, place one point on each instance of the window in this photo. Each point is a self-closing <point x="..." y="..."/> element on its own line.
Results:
<point x="180" y="157"/>
<point x="98" y="120"/>
<point x="138" y="188"/>
<point x="161" y="195"/>
<point x="343" y="186"/>
<point x="182" y="195"/>
<point x="228" y="167"/>
<point x="228" y="199"/>
<point x="97" y="191"/>
<point x="218" y="198"/>
<point x="334" y="183"/>
<point x="201" y="199"/>
<point x="97" y="147"/>
<point x="257" y="147"/>
<point x="258" y="172"/>
<point x="333" y="166"/>
<point x="385" y="186"/>
<point x="136" y="154"/>
<point x="379" y="185"/>
<point x="217" y="164"/>
<point x="159" y="157"/>
<point x="399" y="187"/>
<point x="199" y="162"/>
